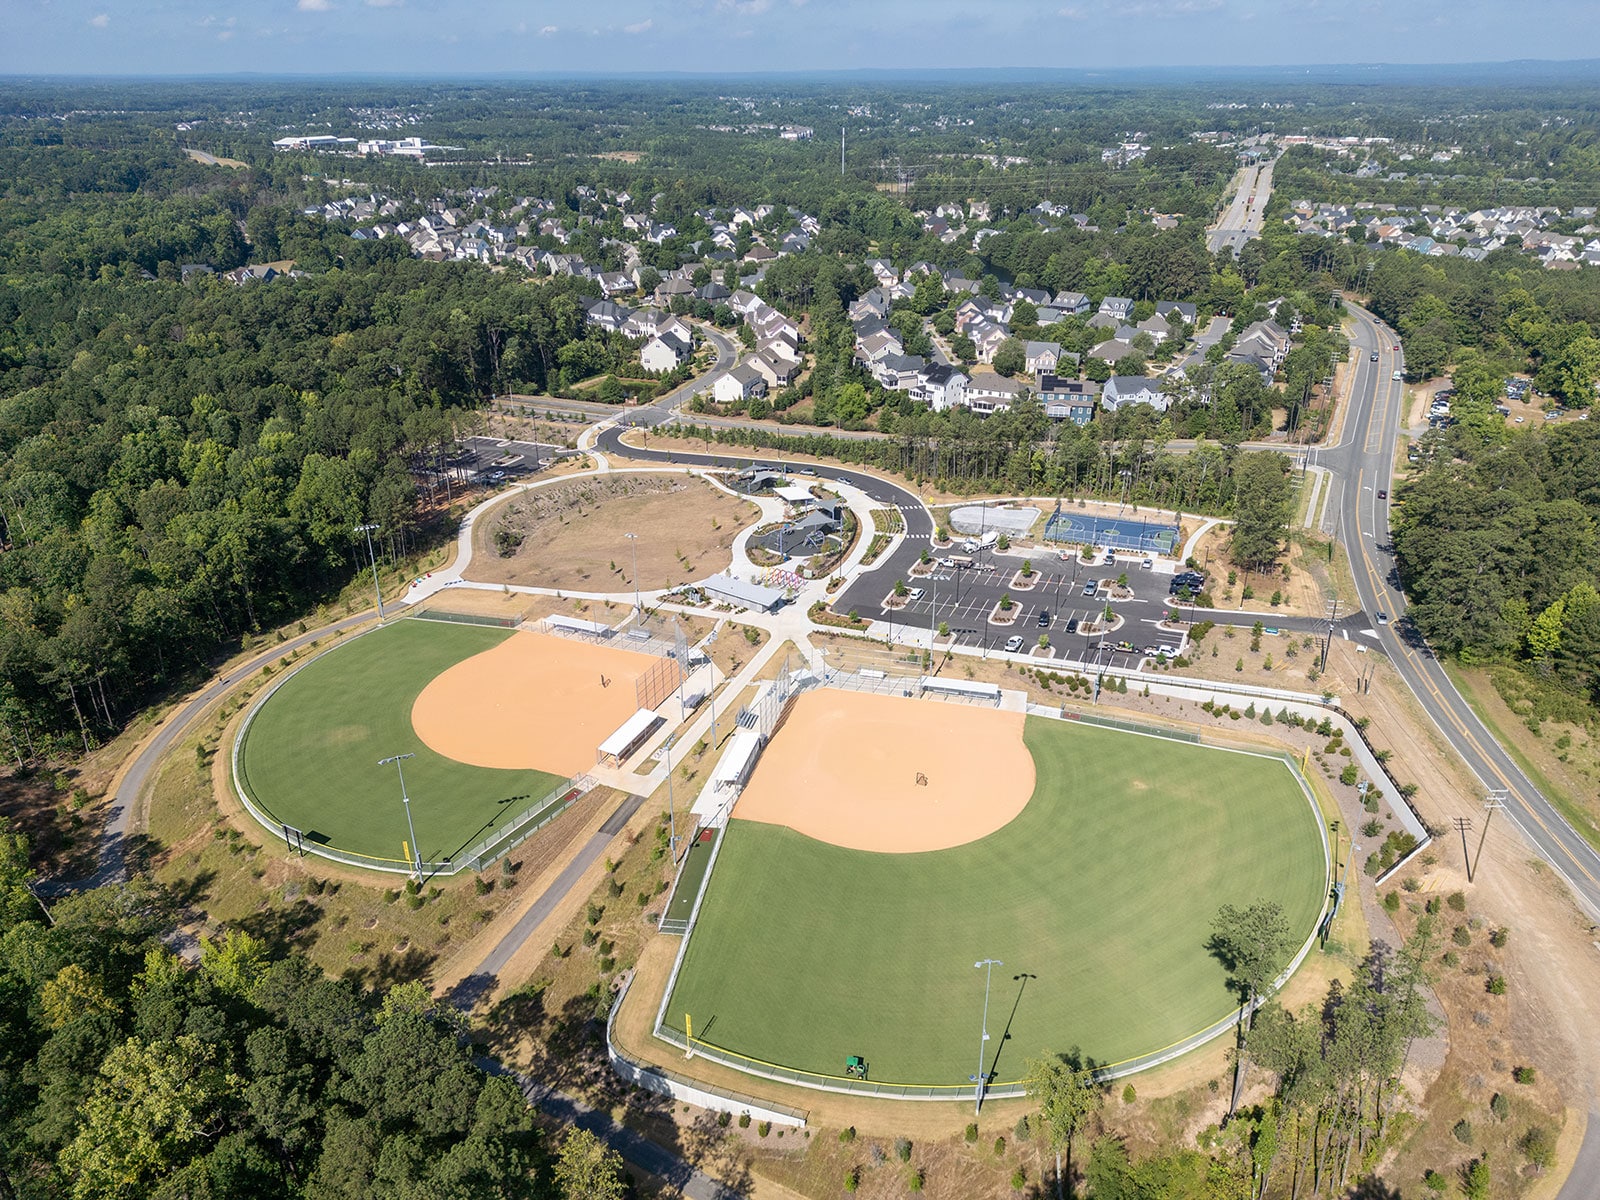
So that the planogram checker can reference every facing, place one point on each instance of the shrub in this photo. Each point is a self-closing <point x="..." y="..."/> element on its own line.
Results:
<point x="1524" y="1074"/>
<point x="999" y="1147"/>
<point x="1457" y="902"/>
<point x="847" y="1134"/>
<point x="591" y="936"/>
<point x="972" y="1132"/>
<point x="1500" y="1106"/>
<point x="1432" y="905"/>
<point x="482" y="886"/>
<point x="915" y="1180"/>
<point x="852" y="1179"/>
<point x="1391" y="902"/>
<point x="1277" y="599"/>
<point x="1022" y="1131"/>
<point x="902" y="1149"/>
<point x="1129" y="1095"/>
<point x="1450" y="958"/>
<point x="744" y="1120"/>
<point x="557" y="952"/>
<point x="1495" y="985"/>
<point x="1019" y="1179"/>
<point x="1461" y="936"/>
<point x="724" y="1119"/>
<point x="764" y="1128"/>
<point x="1349" y="775"/>
<point x="1462" y="1131"/>
<point x="594" y="912"/>
<point x="1475" y="1180"/>
<point x="1499" y="937"/>
<point x="1434" y="1181"/>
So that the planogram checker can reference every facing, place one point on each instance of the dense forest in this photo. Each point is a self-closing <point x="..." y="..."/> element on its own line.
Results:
<point x="126" y="1071"/>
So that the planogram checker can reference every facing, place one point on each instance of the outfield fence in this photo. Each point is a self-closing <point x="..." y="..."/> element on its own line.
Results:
<point x="819" y="1081"/>
<point x="485" y="852"/>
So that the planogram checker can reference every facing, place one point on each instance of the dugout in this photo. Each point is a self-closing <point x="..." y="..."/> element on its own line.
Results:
<point x="629" y="736"/>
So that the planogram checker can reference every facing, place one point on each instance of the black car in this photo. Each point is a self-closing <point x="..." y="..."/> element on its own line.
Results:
<point x="1044" y="618"/>
<point x="1072" y="625"/>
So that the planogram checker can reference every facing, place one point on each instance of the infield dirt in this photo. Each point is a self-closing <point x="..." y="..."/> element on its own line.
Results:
<point x="532" y="701"/>
<point x="893" y="775"/>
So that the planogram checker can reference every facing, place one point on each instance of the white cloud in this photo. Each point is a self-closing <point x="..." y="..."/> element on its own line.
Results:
<point x="1072" y="13"/>
<point x="643" y="26"/>
<point x="549" y="30"/>
<point x="385" y="3"/>
<point x="100" y="20"/>
<point x="225" y="35"/>
<point x="745" y="8"/>
<point x="314" y="5"/>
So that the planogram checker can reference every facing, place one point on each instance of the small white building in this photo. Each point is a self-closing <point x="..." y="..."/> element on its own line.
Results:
<point x="741" y="383"/>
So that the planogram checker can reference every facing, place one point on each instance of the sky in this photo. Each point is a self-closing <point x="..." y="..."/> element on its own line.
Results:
<point x="452" y="37"/>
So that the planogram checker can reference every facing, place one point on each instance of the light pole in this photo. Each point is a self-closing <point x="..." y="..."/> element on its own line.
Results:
<point x="637" y="603"/>
<point x="372" y="558"/>
<point x="416" y="854"/>
<point x="987" y="965"/>
<point x="672" y="818"/>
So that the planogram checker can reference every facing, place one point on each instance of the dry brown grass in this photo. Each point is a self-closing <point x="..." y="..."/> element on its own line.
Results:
<point x="572" y="535"/>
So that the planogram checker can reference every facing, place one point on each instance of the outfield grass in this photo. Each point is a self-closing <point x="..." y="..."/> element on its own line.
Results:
<point x="1103" y="890"/>
<point x="311" y="757"/>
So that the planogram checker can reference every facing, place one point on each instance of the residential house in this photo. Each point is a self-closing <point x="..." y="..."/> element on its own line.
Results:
<point x="1119" y="307"/>
<point x="1187" y="312"/>
<point x="898" y="372"/>
<point x="988" y="338"/>
<point x="605" y="314"/>
<point x="1123" y="390"/>
<point x="940" y="387"/>
<point x="665" y="352"/>
<point x="782" y="345"/>
<point x="616" y="283"/>
<point x="1111" y="350"/>
<point x="1266" y="340"/>
<point x="1156" y="327"/>
<point x="874" y="347"/>
<point x="1042" y="357"/>
<point x="740" y="383"/>
<point x="991" y="393"/>
<point x="775" y="369"/>
<point x="1068" y="399"/>
<point x="1074" y="304"/>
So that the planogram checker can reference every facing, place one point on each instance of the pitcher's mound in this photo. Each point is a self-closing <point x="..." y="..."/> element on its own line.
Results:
<point x="892" y="775"/>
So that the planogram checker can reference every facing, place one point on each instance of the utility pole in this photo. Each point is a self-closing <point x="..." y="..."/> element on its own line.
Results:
<point x="638" y="604"/>
<point x="1327" y="644"/>
<point x="1495" y="802"/>
<point x="367" y="529"/>
<point x="1463" y="827"/>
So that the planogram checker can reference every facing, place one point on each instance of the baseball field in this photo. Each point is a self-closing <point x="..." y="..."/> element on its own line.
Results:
<point x="495" y="720"/>
<point x="1097" y="896"/>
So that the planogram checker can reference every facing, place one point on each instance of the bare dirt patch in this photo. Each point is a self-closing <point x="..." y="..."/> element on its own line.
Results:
<point x="879" y="786"/>
<point x="573" y="535"/>
<point x="533" y="701"/>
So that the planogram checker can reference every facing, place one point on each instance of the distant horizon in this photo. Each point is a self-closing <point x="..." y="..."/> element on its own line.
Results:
<point x="1022" y="73"/>
<point x="97" y="39"/>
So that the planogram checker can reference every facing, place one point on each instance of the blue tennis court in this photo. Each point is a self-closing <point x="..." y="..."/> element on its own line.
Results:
<point x="1115" y="532"/>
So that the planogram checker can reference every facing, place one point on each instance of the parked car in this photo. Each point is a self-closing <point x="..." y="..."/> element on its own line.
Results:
<point x="1090" y="588"/>
<point x="915" y="594"/>
<point x="1044" y="618"/>
<point x="1072" y="625"/>
<point x="1148" y="564"/>
<point x="1013" y="643"/>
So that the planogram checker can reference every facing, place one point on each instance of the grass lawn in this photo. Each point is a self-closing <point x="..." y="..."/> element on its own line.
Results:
<point x="311" y="757"/>
<point x="1102" y="892"/>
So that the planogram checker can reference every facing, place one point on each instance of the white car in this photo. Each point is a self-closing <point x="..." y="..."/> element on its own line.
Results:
<point x="1013" y="643"/>
<point x="916" y="594"/>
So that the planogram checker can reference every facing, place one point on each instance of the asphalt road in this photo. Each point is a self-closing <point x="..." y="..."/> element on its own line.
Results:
<point x="1362" y="465"/>
<point x="1244" y="217"/>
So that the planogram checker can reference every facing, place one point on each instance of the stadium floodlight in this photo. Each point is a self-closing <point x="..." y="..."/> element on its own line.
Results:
<point x="373" y="559"/>
<point x="987" y="965"/>
<point x="405" y="798"/>
<point x="637" y="603"/>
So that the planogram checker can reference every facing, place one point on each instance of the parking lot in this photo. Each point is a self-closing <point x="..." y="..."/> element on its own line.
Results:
<point x="1055" y="606"/>
<point x="484" y="456"/>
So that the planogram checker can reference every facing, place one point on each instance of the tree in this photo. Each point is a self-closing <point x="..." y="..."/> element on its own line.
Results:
<point x="1068" y="1094"/>
<point x="1011" y="358"/>
<point x="1252" y="944"/>
<point x="586" y="1170"/>
<point x="1262" y="504"/>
